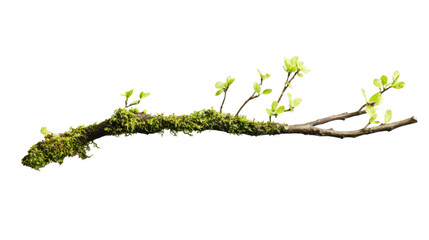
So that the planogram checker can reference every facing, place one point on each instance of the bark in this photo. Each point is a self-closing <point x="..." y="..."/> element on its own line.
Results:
<point x="54" y="148"/>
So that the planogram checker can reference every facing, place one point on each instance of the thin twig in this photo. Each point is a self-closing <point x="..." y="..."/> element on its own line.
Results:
<point x="224" y="97"/>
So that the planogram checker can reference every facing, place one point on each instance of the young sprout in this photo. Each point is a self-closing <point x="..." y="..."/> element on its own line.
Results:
<point x="223" y="87"/>
<point x="128" y="94"/>
<point x="293" y="67"/>
<point x="257" y="90"/>
<point x="383" y="85"/>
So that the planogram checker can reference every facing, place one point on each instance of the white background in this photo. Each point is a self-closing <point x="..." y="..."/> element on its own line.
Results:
<point x="65" y="63"/>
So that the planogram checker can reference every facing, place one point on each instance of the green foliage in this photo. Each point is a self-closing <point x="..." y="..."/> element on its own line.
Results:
<point x="218" y="92"/>
<point x="220" y="85"/>
<point x="383" y="80"/>
<point x="371" y="110"/>
<point x="267" y="91"/>
<point x="373" y="118"/>
<point x="398" y="85"/>
<point x="383" y="85"/>
<point x="274" y="105"/>
<point x="263" y="76"/>
<point x="395" y="77"/>
<point x="296" y="102"/>
<point x="143" y="95"/>
<point x="364" y="95"/>
<point x="275" y="109"/>
<point x="45" y="131"/>
<point x="135" y="102"/>
<point x="377" y="99"/>
<point x="377" y="83"/>
<point x="223" y="86"/>
<point x="257" y="87"/>
<point x="387" y="116"/>
<point x="372" y="113"/>
<point x="229" y="81"/>
<point x="279" y="110"/>
<point x="128" y="94"/>
<point x="293" y="65"/>
<point x="293" y="102"/>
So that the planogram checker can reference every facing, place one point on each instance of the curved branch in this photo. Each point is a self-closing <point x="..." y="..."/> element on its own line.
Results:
<point x="342" y="116"/>
<point x="310" y="129"/>
<point x="54" y="148"/>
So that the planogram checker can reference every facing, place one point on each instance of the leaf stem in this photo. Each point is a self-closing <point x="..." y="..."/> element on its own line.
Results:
<point x="245" y="102"/>
<point x="224" y="97"/>
<point x="287" y="85"/>
<point x="250" y="98"/>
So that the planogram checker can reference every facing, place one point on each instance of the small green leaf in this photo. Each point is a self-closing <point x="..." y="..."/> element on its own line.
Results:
<point x="290" y="99"/>
<point x="364" y="95"/>
<point x="371" y="110"/>
<point x="219" y="92"/>
<point x="44" y="131"/>
<point x="372" y="118"/>
<point x="398" y="85"/>
<point x="143" y="95"/>
<point x="269" y="111"/>
<point x="260" y="74"/>
<point x="296" y="102"/>
<point x="287" y="67"/>
<point x="288" y="84"/>
<point x="376" y="98"/>
<point x="384" y="80"/>
<point x="257" y="87"/>
<point x="300" y="75"/>
<point x="129" y="93"/>
<point x="388" y="116"/>
<point x="267" y="91"/>
<point x="377" y="83"/>
<point x="229" y="81"/>
<point x="220" y="84"/>
<point x="395" y="76"/>
<point x="304" y="70"/>
<point x="279" y="110"/>
<point x="274" y="105"/>
<point x="294" y="62"/>
<point x="135" y="102"/>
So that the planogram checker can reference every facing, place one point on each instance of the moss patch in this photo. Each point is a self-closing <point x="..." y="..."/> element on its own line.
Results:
<point x="77" y="141"/>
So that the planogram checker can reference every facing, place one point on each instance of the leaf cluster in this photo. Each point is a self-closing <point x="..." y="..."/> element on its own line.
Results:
<point x="293" y="65"/>
<point x="129" y="93"/>
<point x="376" y="99"/>
<point x="223" y="86"/>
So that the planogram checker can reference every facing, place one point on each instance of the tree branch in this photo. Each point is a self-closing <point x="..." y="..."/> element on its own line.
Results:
<point x="342" y="116"/>
<point x="54" y="148"/>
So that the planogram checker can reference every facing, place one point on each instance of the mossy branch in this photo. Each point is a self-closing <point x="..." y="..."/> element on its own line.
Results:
<point x="77" y="141"/>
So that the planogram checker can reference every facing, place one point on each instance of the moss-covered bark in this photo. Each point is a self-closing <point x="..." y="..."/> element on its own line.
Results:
<point x="77" y="141"/>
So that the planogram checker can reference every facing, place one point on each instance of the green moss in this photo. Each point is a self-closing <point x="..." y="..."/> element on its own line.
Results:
<point x="54" y="148"/>
<point x="123" y="122"/>
<point x="77" y="141"/>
